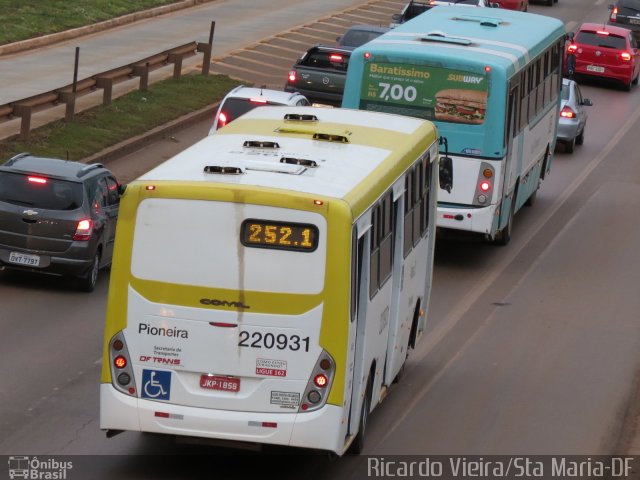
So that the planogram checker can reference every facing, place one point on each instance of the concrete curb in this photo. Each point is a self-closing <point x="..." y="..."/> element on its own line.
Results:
<point x="45" y="40"/>
<point x="136" y="143"/>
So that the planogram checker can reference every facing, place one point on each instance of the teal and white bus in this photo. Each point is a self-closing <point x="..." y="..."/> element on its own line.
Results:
<point x="490" y="79"/>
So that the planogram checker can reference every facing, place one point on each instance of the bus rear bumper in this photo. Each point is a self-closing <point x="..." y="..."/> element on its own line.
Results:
<point x="318" y="429"/>
<point x="476" y="220"/>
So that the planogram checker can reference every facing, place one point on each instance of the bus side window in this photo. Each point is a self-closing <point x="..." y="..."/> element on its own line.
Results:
<point x="524" y="100"/>
<point x="386" y="240"/>
<point x="417" y="203"/>
<point x="408" y="212"/>
<point x="374" y="258"/>
<point x="426" y="182"/>
<point x="357" y="248"/>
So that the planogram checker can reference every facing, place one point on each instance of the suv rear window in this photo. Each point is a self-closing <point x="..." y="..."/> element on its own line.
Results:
<point x="39" y="192"/>
<point x="604" y="41"/>
<point x="338" y="61"/>
<point x="630" y="4"/>
<point x="235" y="107"/>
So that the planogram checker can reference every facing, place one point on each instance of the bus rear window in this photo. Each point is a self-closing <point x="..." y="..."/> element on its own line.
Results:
<point x="432" y="93"/>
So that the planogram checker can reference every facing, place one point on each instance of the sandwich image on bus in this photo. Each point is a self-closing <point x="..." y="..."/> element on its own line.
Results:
<point x="269" y="281"/>
<point x="490" y="79"/>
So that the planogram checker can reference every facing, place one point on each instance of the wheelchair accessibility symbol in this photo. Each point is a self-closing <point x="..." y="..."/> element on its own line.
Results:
<point x="156" y="384"/>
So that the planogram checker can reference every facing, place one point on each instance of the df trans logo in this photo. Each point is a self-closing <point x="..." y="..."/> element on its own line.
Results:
<point x="38" y="469"/>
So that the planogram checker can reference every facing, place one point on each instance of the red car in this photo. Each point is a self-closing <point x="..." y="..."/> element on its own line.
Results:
<point x="521" y="5"/>
<point x="606" y="51"/>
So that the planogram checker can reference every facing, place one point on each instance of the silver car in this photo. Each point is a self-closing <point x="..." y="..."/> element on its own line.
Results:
<point x="573" y="117"/>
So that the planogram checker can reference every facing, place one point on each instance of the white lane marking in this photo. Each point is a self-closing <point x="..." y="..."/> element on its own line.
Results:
<point x="463" y="306"/>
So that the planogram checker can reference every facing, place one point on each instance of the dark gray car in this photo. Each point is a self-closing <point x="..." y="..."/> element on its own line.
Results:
<point x="57" y="217"/>
<point x="626" y="13"/>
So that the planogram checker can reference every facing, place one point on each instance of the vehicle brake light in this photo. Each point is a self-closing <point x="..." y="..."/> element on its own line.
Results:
<point x="222" y="119"/>
<point x="625" y="56"/>
<point x="321" y="380"/>
<point x="292" y="76"/>
<point x="83" y="230"/>
<point x="573" y="48"/>
<point x="39" y="180"/>
<point x="567" y="112"/>
<point x="120" y="361"/>
<point x="257" y="100"/>
<point x="367" y="55"/>
<point x="602" y="32"/>
<point x="485" y="186"/>
<point x="335" y="58"/>
<point x="614" y="14"/>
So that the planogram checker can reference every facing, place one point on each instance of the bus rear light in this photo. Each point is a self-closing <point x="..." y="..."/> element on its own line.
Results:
<point x="292" y="76"/>
<point x="270" y="424"/>
<point x="122" y="377"/>
<point x="321" y="380"/>
<point x="314" y="396"/>
<point x="84" y="229"/>
<point x="487" y="172"/>
<point x="626" y="56"/>
<point x="485" y="186"/>
<point x="319" y="385"/>
<point x="487" y="69"/>
<point x="367" y="55"/>
<point x="482" y="198"/>
<point x="150" y="188"/>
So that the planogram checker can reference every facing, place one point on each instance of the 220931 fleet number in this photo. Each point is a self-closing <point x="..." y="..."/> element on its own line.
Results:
<point x="280" y="341"/>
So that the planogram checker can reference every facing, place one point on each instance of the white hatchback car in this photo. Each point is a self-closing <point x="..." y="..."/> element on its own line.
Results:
<point x="416" y="7"/>
<point x="242" y="99"/>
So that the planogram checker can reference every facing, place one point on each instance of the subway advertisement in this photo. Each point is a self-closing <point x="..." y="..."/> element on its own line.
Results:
<point x="432" y="93"/>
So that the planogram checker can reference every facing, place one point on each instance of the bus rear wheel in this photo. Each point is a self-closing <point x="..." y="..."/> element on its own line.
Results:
<point x="504" y="236"/>
<point x="358" y="443"/>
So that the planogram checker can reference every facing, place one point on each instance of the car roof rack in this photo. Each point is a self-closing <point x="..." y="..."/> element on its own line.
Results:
<point x="87" y="168"/>
<point x="15" y="158"/>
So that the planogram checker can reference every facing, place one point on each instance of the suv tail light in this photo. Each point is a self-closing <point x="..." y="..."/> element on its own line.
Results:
<point x="567" y="112"/>
<point x="626" y="56"/>
<point x="292" y="76"/>
<point x="573" y="48"/>
<point x="614" y="14"/>
<point x="222" y="120"/>
<point x="258" y="100"/>
<point x="39" y="180"/>
<point x="84" y="229"/>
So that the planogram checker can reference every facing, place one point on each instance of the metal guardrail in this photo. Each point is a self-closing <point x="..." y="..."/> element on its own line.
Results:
<point x="105" y="81"/>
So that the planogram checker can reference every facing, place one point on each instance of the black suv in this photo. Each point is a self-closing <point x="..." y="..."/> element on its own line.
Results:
<point x="626" y="13"/>
<point x="57" y="217"/>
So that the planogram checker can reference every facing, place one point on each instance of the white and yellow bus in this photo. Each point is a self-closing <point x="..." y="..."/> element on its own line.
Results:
<point x="268" y="281"/>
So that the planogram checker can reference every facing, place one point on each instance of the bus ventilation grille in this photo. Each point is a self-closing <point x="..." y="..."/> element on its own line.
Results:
<point x="299" y="161"/>
<point x="328" y="137"/>
<point x="260" y="144"/>
<point x="300" y="117"/>
<point x="222" y="170"/>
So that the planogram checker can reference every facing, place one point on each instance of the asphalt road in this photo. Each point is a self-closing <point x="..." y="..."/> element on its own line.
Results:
<point x="533" y="348"/>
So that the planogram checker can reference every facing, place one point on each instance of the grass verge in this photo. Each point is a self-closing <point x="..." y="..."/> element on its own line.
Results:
<point x="130" y="115"/>
<point x="23" y="19"/>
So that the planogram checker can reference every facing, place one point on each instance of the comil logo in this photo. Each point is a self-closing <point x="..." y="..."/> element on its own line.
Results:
<point x="36" y="469"/>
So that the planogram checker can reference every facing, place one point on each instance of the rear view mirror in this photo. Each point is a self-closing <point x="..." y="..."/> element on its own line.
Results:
<point x="122" y="188"/>
<point x="446" y="173"/>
